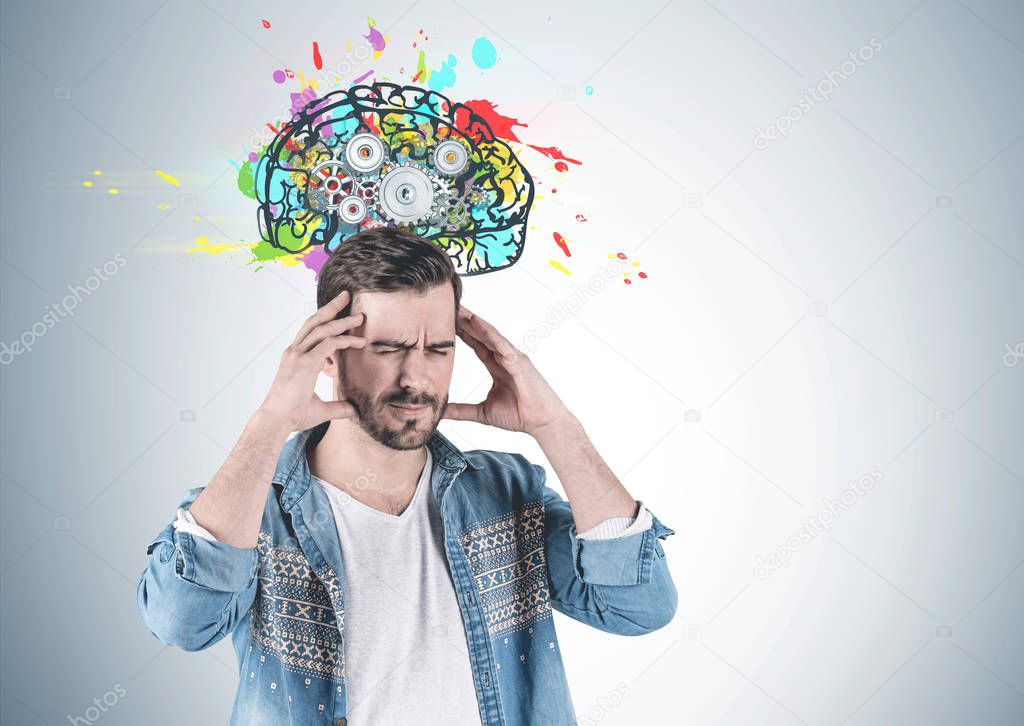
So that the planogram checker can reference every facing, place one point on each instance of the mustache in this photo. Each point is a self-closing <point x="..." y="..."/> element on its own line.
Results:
<point x="408" y="400"/>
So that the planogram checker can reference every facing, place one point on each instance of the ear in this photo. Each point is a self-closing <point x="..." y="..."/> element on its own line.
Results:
<point x="332" y="365"/>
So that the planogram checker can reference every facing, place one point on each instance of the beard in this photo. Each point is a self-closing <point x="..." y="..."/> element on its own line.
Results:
<point x="377" y="417"/>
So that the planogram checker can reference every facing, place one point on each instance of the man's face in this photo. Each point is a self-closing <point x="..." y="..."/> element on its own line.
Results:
<point x="407" y="362"/>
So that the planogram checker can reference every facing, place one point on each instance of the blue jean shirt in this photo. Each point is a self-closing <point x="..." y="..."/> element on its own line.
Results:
<point x="512" y="549"/>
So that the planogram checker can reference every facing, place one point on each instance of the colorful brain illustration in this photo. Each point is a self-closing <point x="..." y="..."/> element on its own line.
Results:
<point x="389" y="155"/>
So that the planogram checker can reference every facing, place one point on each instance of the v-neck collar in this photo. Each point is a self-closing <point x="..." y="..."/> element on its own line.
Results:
<point x="422" y="484"/>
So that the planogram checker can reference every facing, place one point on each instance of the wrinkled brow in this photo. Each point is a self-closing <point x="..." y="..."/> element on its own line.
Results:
<point x="388" y="343"/>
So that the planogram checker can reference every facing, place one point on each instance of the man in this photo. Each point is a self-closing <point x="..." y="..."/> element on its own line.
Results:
<point x="370" y="572"/>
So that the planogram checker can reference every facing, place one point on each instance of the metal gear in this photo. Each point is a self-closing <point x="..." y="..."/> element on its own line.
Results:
<point x="455" y="213"/>
<point x="329" y="181"/>
<point x="409" y="194"/>
<point x="368" y="189"/>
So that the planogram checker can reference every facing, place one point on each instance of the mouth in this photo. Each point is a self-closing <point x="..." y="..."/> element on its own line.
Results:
<point x="407" y="410"/>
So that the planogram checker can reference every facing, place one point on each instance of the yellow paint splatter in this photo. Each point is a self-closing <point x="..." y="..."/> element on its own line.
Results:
<point x="97" y="173"/>
<point x="636" y="264"/>
<point x="87" y="184"/>
<point x="164" y="206"/>
<point x="113" y="190"/>
<point x="203" y="245"/>
<point x="167" y="178"/>
<point x="198" y="219"/>
<point x="559" y="266"/>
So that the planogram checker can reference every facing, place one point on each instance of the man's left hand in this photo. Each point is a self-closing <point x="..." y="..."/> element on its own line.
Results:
<point x="520" y="399"/>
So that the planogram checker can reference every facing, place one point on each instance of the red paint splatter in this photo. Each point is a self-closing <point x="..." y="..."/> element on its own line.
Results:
<point x="266" y="24"/>
<point x="621" y="255"/>
<point x="580" y="218"/>
<point x="500" y="125"/>
<point x="417" y="76"/>
<point x="317" y="60"/>
<point x="560" y="241"/>
<point x="554" y="191"/>
<point x="289" y="72"/>
<point x="555" y="153"/>
<point x="643" y="275"/>
<point x="271" y="127"/>
<point x="561" y="166"/>
<point x="627" y="281"/>
<point x="371" y="122"/>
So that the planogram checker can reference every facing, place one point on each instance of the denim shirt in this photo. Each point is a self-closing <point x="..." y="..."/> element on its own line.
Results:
<point x="512" y="550"/>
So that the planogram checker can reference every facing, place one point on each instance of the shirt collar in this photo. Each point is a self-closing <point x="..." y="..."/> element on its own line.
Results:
<point x="293" y="474"/>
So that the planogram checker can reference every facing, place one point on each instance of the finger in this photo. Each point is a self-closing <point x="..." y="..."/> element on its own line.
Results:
<point x="463" y="412"/>
<point x="338" y="409"/>
<point x="336" y="342"/>
<point x="327" y="312"/>
<point x="509" y="355"/>
<point x="485" y="354"/>
<point x="333" y="327"/>
<point x="489" y="335"/>
<point x="321" y="410"/>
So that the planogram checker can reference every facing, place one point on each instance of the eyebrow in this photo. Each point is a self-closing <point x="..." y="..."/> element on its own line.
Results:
<point x="402" y="344"/>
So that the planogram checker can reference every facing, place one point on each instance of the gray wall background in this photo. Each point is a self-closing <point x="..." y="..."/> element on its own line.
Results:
<point x="843" y="300"/>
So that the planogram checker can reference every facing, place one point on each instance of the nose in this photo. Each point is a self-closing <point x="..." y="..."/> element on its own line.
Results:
<point x="413" y="377"/>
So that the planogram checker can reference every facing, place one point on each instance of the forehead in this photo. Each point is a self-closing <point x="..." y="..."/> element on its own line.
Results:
<point x="406" y="312"/>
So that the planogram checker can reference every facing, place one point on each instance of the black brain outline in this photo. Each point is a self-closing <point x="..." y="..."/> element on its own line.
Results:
<point x="318" y="131"/>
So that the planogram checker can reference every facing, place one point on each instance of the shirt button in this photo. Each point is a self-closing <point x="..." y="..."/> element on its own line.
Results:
<point x="340" y="721"/>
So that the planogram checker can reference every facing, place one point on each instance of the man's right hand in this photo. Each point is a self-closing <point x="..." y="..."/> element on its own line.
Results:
<point x="292" y="397"/>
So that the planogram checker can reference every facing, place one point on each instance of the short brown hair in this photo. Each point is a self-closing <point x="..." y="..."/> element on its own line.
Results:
<point x="385" y="259"/>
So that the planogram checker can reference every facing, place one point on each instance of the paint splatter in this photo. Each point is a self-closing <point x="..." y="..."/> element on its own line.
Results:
<point x="500" y="125"/>
<point x="485" y="55"/>
<point x="559" y="266"/>
<point x="625" y="275"/>
<point x="266" y="23"/>
<point x="363" y="77"/>
<point x="167" y="178"/>
<point x="376" y="40"/>
<point x="589" y="90"/>
<point x="561" y="166"/>
<point x="443" y="77"/>
<point x="113" y="190"/>
<point x="560" y="241"/>
<point x="318" y="60"/>
<point x="580" y="218"/>
<point x="554" y="152"/>
<point x="87" y="184"/>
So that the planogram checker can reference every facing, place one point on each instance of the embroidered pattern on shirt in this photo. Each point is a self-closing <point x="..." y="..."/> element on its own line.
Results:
<point x="507" y="559"/>
<point x="292" y="617"/>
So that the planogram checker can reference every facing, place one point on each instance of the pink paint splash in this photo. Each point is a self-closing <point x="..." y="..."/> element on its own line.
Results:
<point x="375" y="38"/>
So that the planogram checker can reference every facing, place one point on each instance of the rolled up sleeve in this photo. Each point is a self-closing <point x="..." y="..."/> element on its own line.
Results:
<point x="621" y="585"/>
<point x="194" y="591"/>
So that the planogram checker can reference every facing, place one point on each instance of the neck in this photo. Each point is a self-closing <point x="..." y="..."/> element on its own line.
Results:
<point x="348" y="457"/>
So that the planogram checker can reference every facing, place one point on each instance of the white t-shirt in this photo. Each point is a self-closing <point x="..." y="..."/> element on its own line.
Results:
<point x="406" y="652"/>
<point x="405" y="642"/>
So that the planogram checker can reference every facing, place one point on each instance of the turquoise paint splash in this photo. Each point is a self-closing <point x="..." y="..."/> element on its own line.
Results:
<point x="485" y="55"/>
<point x="443" y="77"/>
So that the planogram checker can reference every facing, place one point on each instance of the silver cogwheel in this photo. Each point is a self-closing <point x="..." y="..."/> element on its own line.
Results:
<point x="329" y="181"/>
<point x="409" y="194"/>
